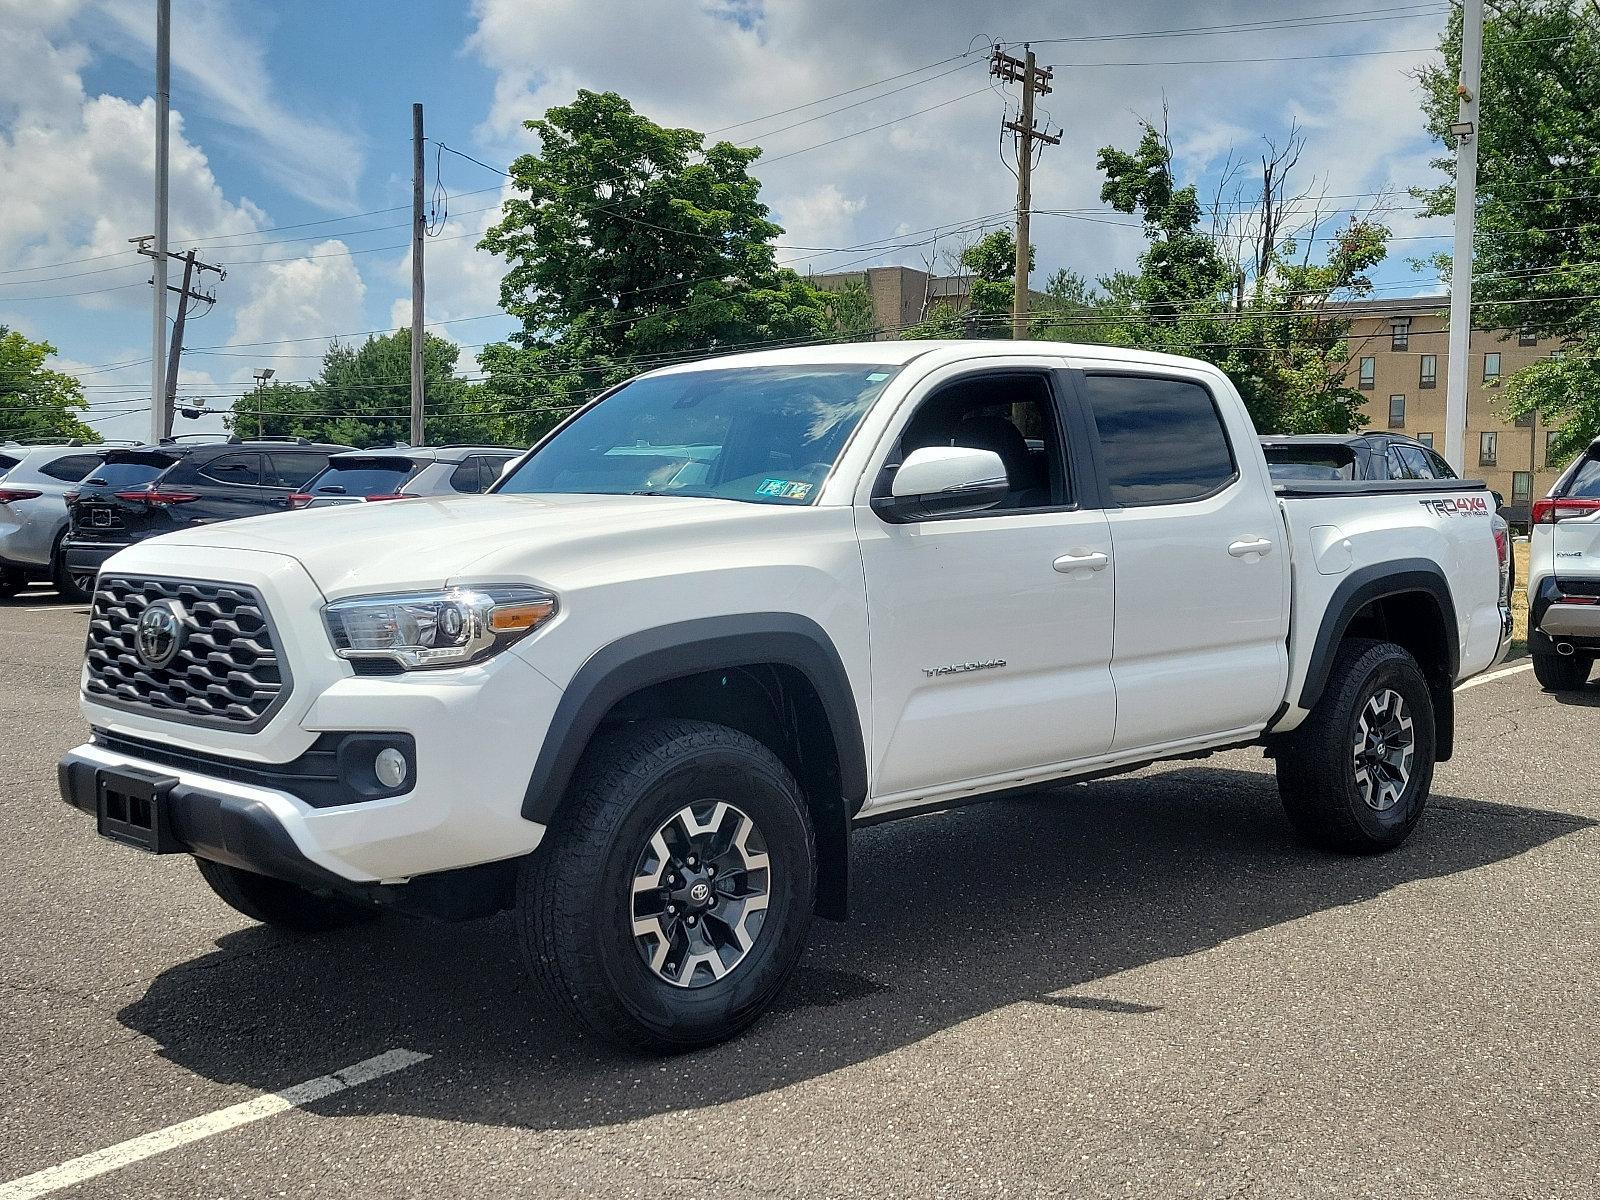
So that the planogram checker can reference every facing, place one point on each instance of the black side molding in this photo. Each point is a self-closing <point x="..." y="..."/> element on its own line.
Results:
<point x="687" y="648"/>
<point x="1361" y="588"/>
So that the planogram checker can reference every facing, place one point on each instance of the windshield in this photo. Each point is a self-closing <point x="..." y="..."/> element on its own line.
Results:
<point x="766" y="435"/>
<point x="363" y="476"/>
<point x="1310" y="462"/>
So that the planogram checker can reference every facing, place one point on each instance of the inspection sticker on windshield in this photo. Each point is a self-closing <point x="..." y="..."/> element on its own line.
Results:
<point x="784" y="489"/>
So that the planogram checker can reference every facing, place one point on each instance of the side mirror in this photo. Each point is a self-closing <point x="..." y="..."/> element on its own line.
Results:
<point x="937" y="480"/>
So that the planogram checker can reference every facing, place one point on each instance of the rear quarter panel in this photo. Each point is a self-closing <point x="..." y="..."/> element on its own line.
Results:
<point x="1334" y="536"/>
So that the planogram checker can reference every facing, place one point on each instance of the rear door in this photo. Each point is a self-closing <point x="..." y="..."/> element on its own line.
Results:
<point x="228" y="486"/>
<point x="1198" y="546"/>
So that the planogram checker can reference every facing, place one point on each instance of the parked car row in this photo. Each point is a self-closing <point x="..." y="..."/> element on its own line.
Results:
<point x="66" y="508"/>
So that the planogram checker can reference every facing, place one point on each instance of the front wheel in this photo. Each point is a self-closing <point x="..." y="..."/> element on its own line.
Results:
<point x="1354" y="777"/>
<point x="1561" y="673"/>
<point x="69" y="586"/>
<point x="672" y="896"/>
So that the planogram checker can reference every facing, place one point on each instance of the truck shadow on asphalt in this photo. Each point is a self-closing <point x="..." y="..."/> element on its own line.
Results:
<point x="956" y="914"/>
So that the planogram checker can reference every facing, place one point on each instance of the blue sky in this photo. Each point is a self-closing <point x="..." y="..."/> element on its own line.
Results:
<point x="292" y="130"/>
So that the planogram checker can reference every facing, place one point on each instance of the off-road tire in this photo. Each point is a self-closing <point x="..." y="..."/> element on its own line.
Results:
<point x="1561" y="673"/>
<point x="574" y="911"/>
<point x="281" y="904"/>
<point x="1316" y="763"/>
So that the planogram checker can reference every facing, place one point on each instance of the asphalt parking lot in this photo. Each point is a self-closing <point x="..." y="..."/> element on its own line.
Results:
<point x="1134" y="987"/>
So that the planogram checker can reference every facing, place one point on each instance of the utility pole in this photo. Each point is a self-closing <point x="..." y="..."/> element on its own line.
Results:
<point x="186" y="293"/>
<point x="158" y="315"/>
<point x="1035" y="81"/>
<point x="1465" y="131"/>
<point x="418" y="230"/>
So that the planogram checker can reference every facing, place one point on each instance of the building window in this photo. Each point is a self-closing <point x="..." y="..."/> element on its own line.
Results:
<point x="1550" y="437"/>
<point x="1400" y="334"/>
<point x="1369" y="374"/>
<point x="1397" y="412"/>
<point x="1426" y="439"/>
<point x="1430" y="371"/>
<point x="1491" y="367"/>
<point x="1488" y="449"/>
<point x="1526" y="337"/>
<point x="1521" y="486"/>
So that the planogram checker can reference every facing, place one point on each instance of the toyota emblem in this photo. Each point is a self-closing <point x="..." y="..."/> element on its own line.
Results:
<point x="160" y="633"/>
<point x="699" y="892"/>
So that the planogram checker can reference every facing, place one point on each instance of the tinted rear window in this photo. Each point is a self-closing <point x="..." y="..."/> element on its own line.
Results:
<point x="1310" y="462"/>
<point x="1585" y="483"/>
<point x="1161" y="440"/>
<point x="7" y="462"/>
<point x="128" y="472"/>
<point x="71" y="468"/>
<point x="364" y="477"/>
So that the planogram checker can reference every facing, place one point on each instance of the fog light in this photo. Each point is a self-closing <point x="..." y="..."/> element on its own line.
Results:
<point x="390" y="767"/>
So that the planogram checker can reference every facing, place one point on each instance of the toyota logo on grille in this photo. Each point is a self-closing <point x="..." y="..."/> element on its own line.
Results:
<point x="160" y="633"/>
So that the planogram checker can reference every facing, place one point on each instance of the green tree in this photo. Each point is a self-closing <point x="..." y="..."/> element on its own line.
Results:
<point x="36" y="402"/>
<point x="631" y="244"/>
<point x="362" y="397"/>
<point x="1536" y="256"/>
<point x="1276" y="335"/>
<point x="990" y="263"/>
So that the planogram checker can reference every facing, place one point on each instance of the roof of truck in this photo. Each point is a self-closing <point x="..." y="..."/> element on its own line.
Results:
<point x="898" y="354"/>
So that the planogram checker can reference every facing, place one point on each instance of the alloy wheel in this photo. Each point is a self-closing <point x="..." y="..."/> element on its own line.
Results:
<point x="1385" y="744"/>
<point x="700" y="894"/>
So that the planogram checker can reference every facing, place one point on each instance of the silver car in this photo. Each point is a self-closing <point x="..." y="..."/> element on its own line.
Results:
<point x="400" y="472"/>
<point x="33" y="515"/>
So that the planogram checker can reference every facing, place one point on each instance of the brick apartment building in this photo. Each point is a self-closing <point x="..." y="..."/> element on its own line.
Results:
<point x="1398" y="356"/>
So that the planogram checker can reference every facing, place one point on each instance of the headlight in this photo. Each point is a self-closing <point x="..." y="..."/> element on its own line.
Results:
<point x="436" y="629"/>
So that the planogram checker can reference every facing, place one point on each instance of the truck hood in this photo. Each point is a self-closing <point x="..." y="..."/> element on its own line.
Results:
<point x="395" y="545"/>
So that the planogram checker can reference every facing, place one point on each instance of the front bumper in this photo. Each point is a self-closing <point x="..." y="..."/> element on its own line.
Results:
<point x="242" y="827"/>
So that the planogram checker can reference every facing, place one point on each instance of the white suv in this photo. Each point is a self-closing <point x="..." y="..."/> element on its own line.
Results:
<point x="1564" y="577"/>
<point x="33" y="512"/>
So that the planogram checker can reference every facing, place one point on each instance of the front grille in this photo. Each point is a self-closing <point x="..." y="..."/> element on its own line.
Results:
<point x="227" y="671"/>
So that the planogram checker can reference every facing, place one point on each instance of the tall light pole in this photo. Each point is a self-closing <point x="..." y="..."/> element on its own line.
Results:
<point x="1466" y="131"/>
<point x="158" y="314"/>
<point x="261" y="377"/>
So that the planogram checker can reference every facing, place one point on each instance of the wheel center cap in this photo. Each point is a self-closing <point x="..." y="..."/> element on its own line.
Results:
<point x="700" y="893"/>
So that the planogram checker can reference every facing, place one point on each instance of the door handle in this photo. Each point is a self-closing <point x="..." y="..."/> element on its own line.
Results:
<point x="1094" y="561"/>
<point x="1254" y="545"/>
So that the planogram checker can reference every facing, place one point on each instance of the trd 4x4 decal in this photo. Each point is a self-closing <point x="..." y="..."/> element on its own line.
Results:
<point x="1453" y="506"/>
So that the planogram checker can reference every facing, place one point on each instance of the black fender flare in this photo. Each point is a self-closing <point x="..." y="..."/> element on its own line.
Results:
<point x="686" y="648"/>
<point x="1375" y="582"/>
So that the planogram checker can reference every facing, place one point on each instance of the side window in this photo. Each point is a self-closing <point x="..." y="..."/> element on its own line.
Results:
<point x="1441" y="469"/>
<point x="72" y="468"/>
<point x="1399" y="468"/>
<point x="1162" y="441"/>
<point x="237" y="469"/>
<point x="292" y="471"/>
<point x="1012" y="415"/>
<point x="468" y="477"/>
<point x="1416" y="460"/>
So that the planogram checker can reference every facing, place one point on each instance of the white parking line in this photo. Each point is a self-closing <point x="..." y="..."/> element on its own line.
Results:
<point x="1471" y="683"/>
<point x="223" y="1119"/>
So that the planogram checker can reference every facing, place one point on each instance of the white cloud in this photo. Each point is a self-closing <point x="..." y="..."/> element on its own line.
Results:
<point x="823" y="216"/>
<point x="307" y="297"/>
<point x="462" y="281"/>
<point x="317" y="160"/>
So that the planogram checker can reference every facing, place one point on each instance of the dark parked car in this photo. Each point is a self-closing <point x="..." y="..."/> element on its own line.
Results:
<point x="400" y="472"/>
<point x="1352" y="456"/>
<point x="149" y="490"/>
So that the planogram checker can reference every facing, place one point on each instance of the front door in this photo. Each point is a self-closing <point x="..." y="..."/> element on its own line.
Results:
<point x="990" y="630"/>
<point x="1202" y="569"/>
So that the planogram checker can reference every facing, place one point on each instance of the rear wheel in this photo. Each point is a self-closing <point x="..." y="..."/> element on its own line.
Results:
<point x="76" y="588"/>
<point x="671" y="899"/>
<point x="1561" y="673"/>
<point x="281" y="904"/>
<point x="1354" y="777"/>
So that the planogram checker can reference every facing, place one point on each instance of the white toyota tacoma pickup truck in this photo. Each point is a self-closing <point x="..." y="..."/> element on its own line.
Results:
<point x="641" y="693"/>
